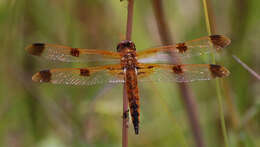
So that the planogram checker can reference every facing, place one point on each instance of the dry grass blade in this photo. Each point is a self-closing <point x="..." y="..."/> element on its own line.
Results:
<point x="211" y="28"/>
<point x="187" y="96"/>
<point x="247" y="67"/>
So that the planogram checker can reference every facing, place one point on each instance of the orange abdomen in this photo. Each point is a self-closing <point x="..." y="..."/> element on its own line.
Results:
<point x="133" y="97"/>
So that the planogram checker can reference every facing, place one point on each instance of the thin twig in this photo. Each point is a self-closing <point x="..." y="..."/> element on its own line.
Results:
<point x="129" y="24"/>
<point x="247" y="67"/>
<point x="125" y="119"/>
<point x="125" y="100"/>
<point x="187" y="97"/>
<point x="211" y="28"/>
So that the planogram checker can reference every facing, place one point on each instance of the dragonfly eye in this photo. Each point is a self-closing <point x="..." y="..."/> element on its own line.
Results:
<point x="125" y="44"/>
<point x="131" y="45"/>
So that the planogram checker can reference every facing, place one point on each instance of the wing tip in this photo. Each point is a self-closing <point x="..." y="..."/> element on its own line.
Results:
<point x="218" y="71"/>
<point x="220" y="41"/>
<point x="42" y="76"/>
<point x="35" y="49"/>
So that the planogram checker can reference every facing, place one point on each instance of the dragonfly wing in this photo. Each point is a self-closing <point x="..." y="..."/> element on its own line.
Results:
<point x="180" y="73"/>
<point x="69" y="54"/>
<point x="200" y="46"/>
<point x="81" y="76"/>
<point x="159" y="57"/>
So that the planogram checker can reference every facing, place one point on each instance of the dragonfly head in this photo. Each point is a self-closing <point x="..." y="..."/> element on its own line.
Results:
<point x="125" y="44"/>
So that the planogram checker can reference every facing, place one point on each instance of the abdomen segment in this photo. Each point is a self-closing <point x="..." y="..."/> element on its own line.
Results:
<point x="133" y="98"/>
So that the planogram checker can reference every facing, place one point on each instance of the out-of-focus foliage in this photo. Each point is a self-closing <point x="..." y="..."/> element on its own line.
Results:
<point x="33" y="114"/>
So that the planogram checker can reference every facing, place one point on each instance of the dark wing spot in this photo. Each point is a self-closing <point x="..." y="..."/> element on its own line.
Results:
<point x="177" y="69"/>
<point x="218" y="71"/>
<point x="45" y="76"/>
<point x="182" y="47"/>
<point x="149" y="67"/>
<point x="36" y="49"/>
<point x="220" y="41"/>
<point x="84" y="72"/>
<point x="74" y="52"/>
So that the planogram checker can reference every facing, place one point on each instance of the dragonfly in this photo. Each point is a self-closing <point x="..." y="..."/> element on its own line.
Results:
<point x="131" y="67"/>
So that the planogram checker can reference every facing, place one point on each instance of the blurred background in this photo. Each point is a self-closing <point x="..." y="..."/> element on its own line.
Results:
<point x="33" y="114"/>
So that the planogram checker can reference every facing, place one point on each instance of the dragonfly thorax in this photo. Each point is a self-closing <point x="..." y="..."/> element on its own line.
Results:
<point x="129" y="60"/>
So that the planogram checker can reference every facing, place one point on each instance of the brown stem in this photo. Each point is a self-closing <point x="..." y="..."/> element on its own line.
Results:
<point x="187" y="98"/>
<point x="125" y="119"/>
<point x="129" y="24"/>
<point x="125" y="100"/>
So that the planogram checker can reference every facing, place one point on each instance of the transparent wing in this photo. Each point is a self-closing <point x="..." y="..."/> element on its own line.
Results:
<point x="200" y="46"/>
<point x="145" y="72"/>
<point x="180" y="73"/>
<point x="81" y="76"/>
<point x="69" y="54"/>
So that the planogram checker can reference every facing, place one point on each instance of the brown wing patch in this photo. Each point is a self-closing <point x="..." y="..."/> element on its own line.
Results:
<point x="36" y="49"/>
<point x="220" y="41"/>
<point x="42" y="76"/>
<point x="177" y="69"/>
<point x="149" y="67"/>
<point x="218" y="71"/>
<point x="74" y="52"/>
<point x="181" y="47"/>
<point x="84" y="72"/>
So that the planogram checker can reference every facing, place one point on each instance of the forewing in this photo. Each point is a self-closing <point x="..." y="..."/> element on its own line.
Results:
<point x="69" y="54"/>
<point x="203" y="45"/>
<point x="81" y="76"/>
<point x="180" y="73"/>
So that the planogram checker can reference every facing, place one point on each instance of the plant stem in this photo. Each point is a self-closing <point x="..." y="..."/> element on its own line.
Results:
<point x="187" y="97"/>
<point x="221" y="112"/>
<point x="129" y="25"/>
<point x="250" y="70"/>
<point x="211" y="28"/>
<point x="125" y="119"/>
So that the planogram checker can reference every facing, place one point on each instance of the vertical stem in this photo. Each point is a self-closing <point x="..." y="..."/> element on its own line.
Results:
<point x="187" y="97"/>
<point x="125" y="119"/>
<point x="221" y="112"/>
<point x="125" y="100"/>
<point x="129" y="24"/>
<point x="210" y="23"/>
<point x="211" y="28"/>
